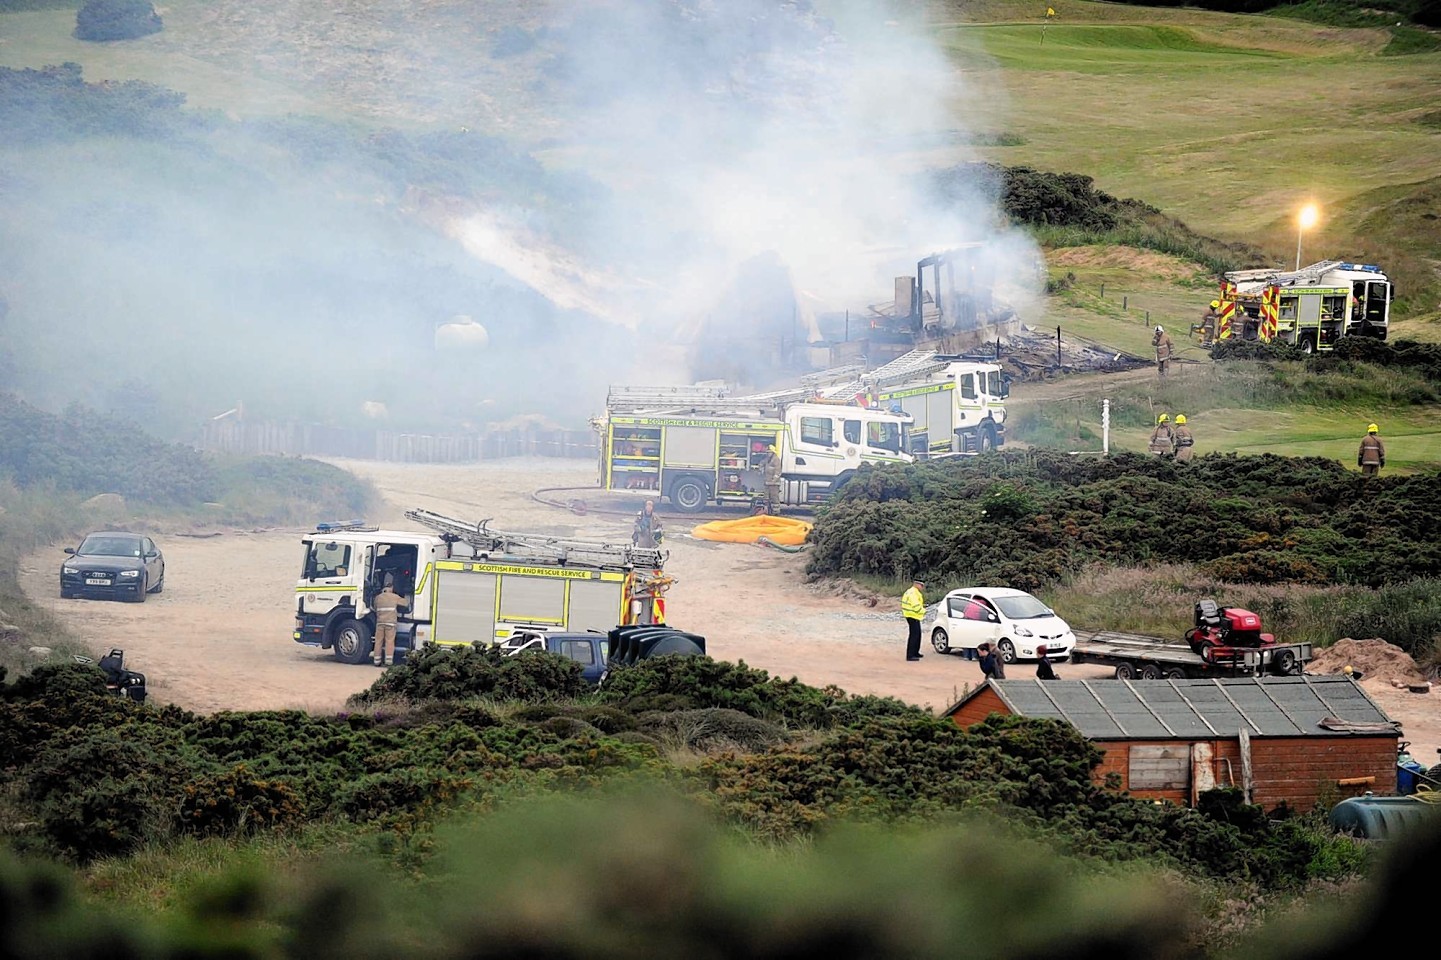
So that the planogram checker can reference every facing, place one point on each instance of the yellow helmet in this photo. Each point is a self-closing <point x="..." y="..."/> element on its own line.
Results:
<point x="1180" y="419"/>
<point x="1215" y="304"/>
<point x="1373" y="429"/>
<point x="772" y="448"/>
<point x="1162" y="418"/>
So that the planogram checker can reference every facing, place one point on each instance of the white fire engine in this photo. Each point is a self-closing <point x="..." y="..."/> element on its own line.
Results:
<point x="464" y="582"/>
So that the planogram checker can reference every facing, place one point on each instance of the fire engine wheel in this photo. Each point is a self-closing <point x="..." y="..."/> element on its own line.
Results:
<point x="940" y="640"/>
<point x="688" y="494"/>
<point x="1287" y="664"/>
<point x="1007" y="650"/>
<point x="986" y="441"/>
<point x="1125" y="671"/>
<point x="1308" y="345"/>
<point x="1151" y="671"/>
<point x="352" y="641"/>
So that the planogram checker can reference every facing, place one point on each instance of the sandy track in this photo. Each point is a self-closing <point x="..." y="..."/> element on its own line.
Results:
<point x="219" y="637"/>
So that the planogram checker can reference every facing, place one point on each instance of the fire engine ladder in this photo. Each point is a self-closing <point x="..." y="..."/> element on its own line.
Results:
<point x="539" y="548"/>
<point x="1289" y="278"/>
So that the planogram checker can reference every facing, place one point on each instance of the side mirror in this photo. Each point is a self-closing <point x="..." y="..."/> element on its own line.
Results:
<point x="70" y="550"/>
<point x="151" y="555"/>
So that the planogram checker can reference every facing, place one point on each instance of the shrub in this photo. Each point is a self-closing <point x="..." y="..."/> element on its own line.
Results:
<point x="711" y="730"/>
<point x="236" y="802"/>
<point x="1268" y="518"/>
<point x="463" y="673"/>
<point x="108" y="791"/>
<point x="104" y="20"/>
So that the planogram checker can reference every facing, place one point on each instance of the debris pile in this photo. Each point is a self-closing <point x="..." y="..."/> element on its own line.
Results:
<point x="1031" y="354"/>
<point x="1374" y="658"/>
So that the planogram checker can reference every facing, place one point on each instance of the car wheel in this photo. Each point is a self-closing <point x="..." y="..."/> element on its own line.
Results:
<point x="352" y="641"/>
<point x="1151" y="671"/>
<point x="940" y="640"/>
<point x="1125" y="671"/>
<point x="1007" y="650"/>
<point x="159" y="587"/>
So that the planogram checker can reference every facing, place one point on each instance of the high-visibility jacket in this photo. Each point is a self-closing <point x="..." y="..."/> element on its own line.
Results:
<point x="913" y="604"/>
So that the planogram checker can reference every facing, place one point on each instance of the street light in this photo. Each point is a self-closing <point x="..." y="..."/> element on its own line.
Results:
<point x="1305" y="220"/>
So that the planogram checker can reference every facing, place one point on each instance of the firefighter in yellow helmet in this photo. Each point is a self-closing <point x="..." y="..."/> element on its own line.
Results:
<point x="1163" y="439"/>
<point x="1372" y="455"/>
<point x="1183" y="438"/>
<point x="771" y="471"/>
<point x="1210" y="321"/>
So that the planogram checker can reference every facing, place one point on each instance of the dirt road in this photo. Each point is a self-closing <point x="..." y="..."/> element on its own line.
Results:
<point x="219" y="636"/>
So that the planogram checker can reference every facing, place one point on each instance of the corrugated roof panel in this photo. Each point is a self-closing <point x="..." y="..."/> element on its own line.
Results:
<point x="1270" y="718"/>
<point x="1085" y="711"/>
<point x="1210" y="701"/>
<point x="1193" y="709"/>
<point x="1168" y="703"/>
<point x="1134" y="715"/>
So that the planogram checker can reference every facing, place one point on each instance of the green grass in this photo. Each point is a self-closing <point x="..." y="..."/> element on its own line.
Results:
<point x="1098" y="48"/>
<point x="1158" y="601"/>
<point x="1245" y="407"/>
<point x="1229" y="123"/>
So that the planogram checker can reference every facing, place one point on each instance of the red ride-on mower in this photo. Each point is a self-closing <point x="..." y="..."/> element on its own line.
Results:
<point x="1223" y="634"/>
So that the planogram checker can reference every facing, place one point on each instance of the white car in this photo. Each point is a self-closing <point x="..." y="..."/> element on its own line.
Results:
<point x="1013" y="621"/>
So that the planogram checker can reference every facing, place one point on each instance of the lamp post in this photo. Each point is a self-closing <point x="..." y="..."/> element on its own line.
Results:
<point x="1305" y="220"/>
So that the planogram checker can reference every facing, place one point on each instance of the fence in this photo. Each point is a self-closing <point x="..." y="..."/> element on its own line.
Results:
<point x="305" y="439"/>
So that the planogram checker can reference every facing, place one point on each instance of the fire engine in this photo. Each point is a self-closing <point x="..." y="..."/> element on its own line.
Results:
<point x="1311" y="308"/>
<point x="464" y="582"/>
<point x="696" y="445"/>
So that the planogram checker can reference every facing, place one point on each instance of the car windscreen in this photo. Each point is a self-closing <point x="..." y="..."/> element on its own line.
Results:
<point x="110" y="547"/>
<point x="1024" y="607"/>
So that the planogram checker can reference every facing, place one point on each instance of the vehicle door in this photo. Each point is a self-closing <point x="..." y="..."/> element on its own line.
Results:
<point x="154" y="562"/>
<point x="816" y="445"/>
<point x="974" y="622"/>
<point x="885" y="440"/>
<point x="328" y="575"/>
<point x="584" y="651"/>
<point x="1378" y="303"/>
<point x="969" y="405"/>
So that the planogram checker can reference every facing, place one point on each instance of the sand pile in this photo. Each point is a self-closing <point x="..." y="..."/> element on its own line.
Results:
<point x="1375" y="658"/>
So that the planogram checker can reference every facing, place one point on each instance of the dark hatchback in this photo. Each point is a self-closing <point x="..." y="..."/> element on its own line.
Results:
<point x="113" y="566"/>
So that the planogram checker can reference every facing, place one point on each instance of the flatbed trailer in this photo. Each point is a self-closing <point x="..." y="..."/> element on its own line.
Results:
<point x="1152" y="658"/>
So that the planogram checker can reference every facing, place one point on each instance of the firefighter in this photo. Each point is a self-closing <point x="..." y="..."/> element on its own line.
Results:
<point x="1372" y="455"/>
<point x="386" y="605"/>
<point x="1163" y="440"/>
<point x="1210" y="320"/>
<point x="1161" y="340"/>
<point x="647" y="532"/>
<point x="771" y="471"/>
<point x="1183" y="439"/>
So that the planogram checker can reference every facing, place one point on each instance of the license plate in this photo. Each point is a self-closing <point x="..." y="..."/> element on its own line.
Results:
<point x="96" y="582"/>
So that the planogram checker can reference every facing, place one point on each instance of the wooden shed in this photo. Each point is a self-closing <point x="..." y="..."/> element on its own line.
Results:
<point x="1280" y="739"/>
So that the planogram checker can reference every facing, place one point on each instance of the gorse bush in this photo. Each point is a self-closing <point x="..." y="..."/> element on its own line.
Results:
<point x="465" y="673"/>
<point x="1266" y="519"/>
<point x="101" y="776"/>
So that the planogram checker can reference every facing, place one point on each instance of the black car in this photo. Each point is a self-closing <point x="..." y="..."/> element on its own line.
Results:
<point x="113" y="565"/>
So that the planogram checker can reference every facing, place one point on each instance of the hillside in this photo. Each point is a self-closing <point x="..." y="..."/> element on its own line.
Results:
<point x="347" y="176"/>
